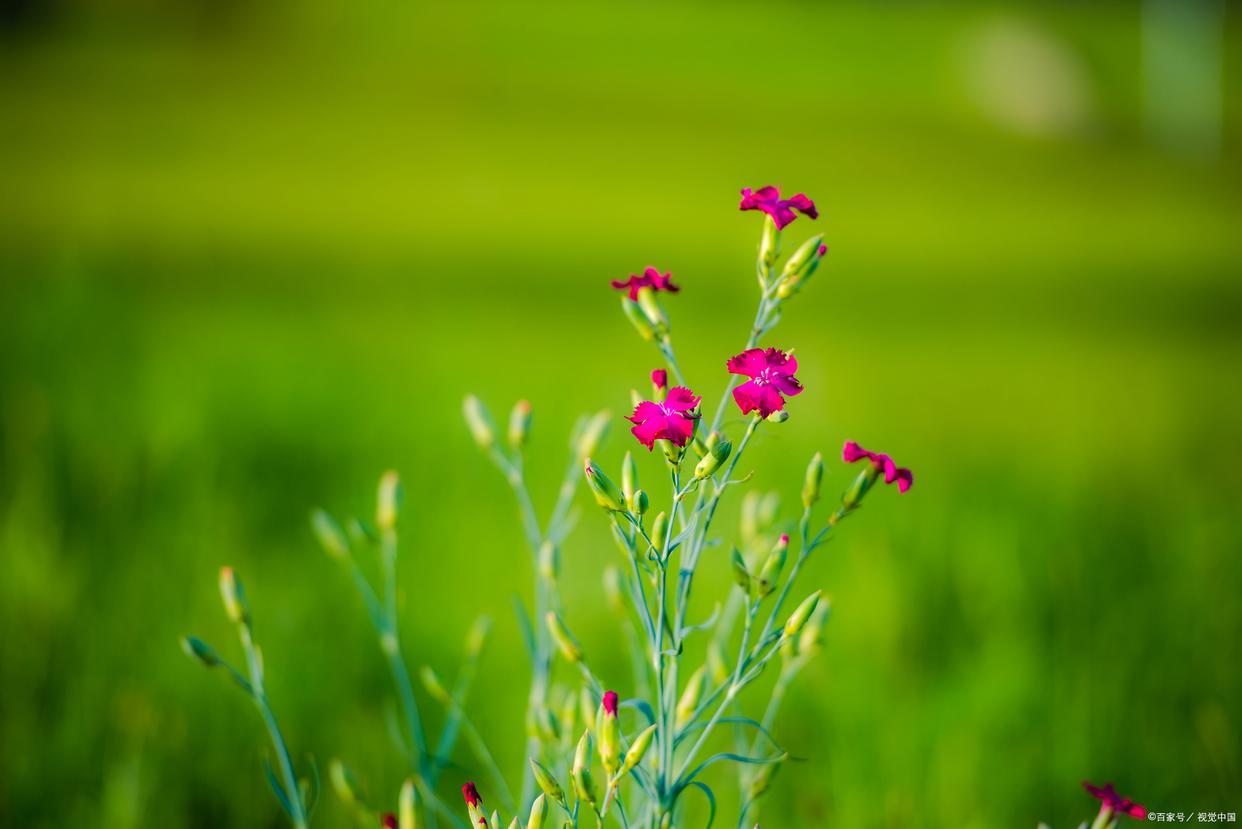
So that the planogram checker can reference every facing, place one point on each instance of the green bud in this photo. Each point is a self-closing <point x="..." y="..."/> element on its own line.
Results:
<point x="638" y="318"/>
<point x="564" y="640"/>
<point x="812" y="635"/>
<point x="234" y="597"/>
<point x="345" y="783"/>
<point x="330" y="535"/>
<point x="538" y="813"/>
<point x="584" y="784"/>
<point x="514" y="824"/>
<point x="718" y="452"/>
<point x="606" y="493"/>
<point x="547" y="781"/>
<point x="638" y="502"/>
<point x="637" y="749"/>
<point x="431" y="681"/>
<point x="549" y="561"/>
<point x="651" y="309"/>
<point x="519" y="424"/>
<point x="593" y="434"/>
<point x="388" y="501"/>
<point x="659" y="532"/>
<point x="689" y="701"/>
<point x="799" y="617"/>
<point x="769" y="243"/>
<point x="196" y="648"/>
<point x="763" y="779"/>
<point x="771" y="570"/>
<point x="672" y="452"/>
<point x="361" y="533"/>
<point x="778" y="416"/>
<point x="609" y="730"/>
<point x="479" y="419"/>
<point x="814" y="475"/>
<point x="801" y="265"/>
<point x="867" y="477"/>
<point x="629" y="476"/>
<point x="741" y="576"/>
<point x="407" y="803"/>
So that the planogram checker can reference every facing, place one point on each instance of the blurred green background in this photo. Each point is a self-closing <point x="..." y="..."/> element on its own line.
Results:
<point x="251" y="255"/>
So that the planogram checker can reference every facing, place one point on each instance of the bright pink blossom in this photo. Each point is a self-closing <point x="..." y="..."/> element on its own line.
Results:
<point x="650" y="278"/>
<point x="1109" y="799"/>
<point x="771" y="373"/>
<point x="471" y="794"/>
<point x="610" y="703"/>
<point x="852" y="452"/>
<point x="659" y="378"/>
<point x="768" y="199"/>
<point x="672" y="419"/>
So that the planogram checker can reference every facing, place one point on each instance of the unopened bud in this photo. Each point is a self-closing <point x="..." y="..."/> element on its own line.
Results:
<point x="431" y="681"/>
<point x="769" y="243"/>
<point x="593" y="434"/>
<point x="563" y="638"/>
<point x="741" y="576"/>
<point x="479" y="419"/>
<point x="659" y="383"/>
<point x="388" y="501"/>
<point x="650" y="306"/>
<point x="659" y="532"/>
<point x="330" y="535"/>
<point x="538" y="813"/>
<point x="609" y="734"/>
<point x="639" y="502"/>
<point x="689" y="701"/>
<point x="234" y="597"/>
<point x="584" y="784"/>
<point x="638" y="319"/>
<point x="345" y="783"/>
<point x="812" y="634"/>
<point x="814" y="476"/>
<point x="771" y="570"/>
<point x="801" y="265"/>
<point x="519" y="424"/>
<point x="778" y="416"/>
<point x="629" y="476"/>
<point x="867" y="477"/>
<point x="196" y="648"/>
<point x="547" y="781"/>
<point x="799" y="617"/>
<point x="606" y="493"/>
<point x="763" y="779"/>
<point x="407" y="804"/>
<point x="717" y="453"/>
<point x="637" y="749"/>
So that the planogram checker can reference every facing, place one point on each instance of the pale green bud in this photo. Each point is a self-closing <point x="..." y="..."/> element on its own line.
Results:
<point x="388" y="501"/>
<point x="584" y="783"/>
<point x="718" y="452"/>
<point x="609" y="741"/>
<point x="407" y="806"/>
<point x="564" y="640"/>
<point x="606" y="493"/>
<point x="234" y="597"/>
<point x="629" y="476"/>
<point x="639" y="502"/>
<point x="814" y="476"/>
<point x="547" y="781"/>
<point x="799" y="617"/>
<point x="330" y="535"/>
<point x="763" y="778"/>
<point x="741" y="576"/>
<point x="637" y="749"/>
<point x="672" y="452"/>
<point x="593" y="434"/>
<point x="651" y="309"/>
<point x="801" y="265"/>
<point x="638" y="318"/>
<point x="538" y="813"/>
<point x="659" y="532"/>
<point x="866" y="478"/>
<point x="689" y="701"/>
<point x="769" y="243"/>
<point x="479" y="419"/>
<point x="812" y="635"/>
<point x="778" y="416"/>
<point x="345" y="783"/>
<point x="549" y="560"/>
<point x="519" y="424"/>
<point x="771" y="569"/>
<point x="196" y="648"/>
<point x="431" y="681"/>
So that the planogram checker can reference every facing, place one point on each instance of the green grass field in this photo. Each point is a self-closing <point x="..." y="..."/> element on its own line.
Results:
<point x="251" y="259"/>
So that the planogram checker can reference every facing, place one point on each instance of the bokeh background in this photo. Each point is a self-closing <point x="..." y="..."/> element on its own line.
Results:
<point x="251" y="255"/>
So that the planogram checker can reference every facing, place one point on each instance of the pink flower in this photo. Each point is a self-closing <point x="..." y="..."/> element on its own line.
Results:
<point x="610" y="703"/>
<point x="771" y="374"/>
<point x="852" y="452"/>
<point x="651" y="278"/>
<point x="768" y="199"/>
<point x="471" y="794"/>
<point x="388" y="821"/>
<point x="673" y="419"/>
<point x="1114" y="802"/>
<point x="659" y="378"/>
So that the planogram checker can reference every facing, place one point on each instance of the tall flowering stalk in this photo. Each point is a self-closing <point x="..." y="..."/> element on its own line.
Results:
<point x="637" y="757"/>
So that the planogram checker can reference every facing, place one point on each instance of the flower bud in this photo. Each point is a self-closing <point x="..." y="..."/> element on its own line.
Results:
<point x="406" y="806"/>
<point x="519" y="424"/>
<point x="474" y="805"/>
<point x="763" y="779"/>
<point x="659" y="384"/>
<point x="812" y="635"/>
<point x="637" y="749"/>
<point x="814" y="475"/>
<point x="431" y="681"/>
<point x="609" y="734"/>
<point x="584" y="784"/>
<point x="388" y="501"/>
<point x="771" y="570"/>
<point x="196" y="648"/>
<point x="606" y="493"/>
<point x="629" y="476"/>
<point x="547" y="781"/>
<point x="651" y="309"/>
<point x="538" y="813"/>
<point x="689" y="701"/>
<point x="741" y="576"/>
<point x="718" y="452"/>
<point x="639" y="503"/>
<point x="638" y="319"/>
<point x="769" y="244"/>
<point x="330" y="535"/>
<point x="659" y="532"/>
<point x="388" y="821"/>
<point x="593" y="433"/>
<point x="564" y="640"/>
<point x="234" y="597"/>
<point x="345" y="783"/>
<point x="867" y="476"/>
<point x="549" y="561"/>
<point x="801" y="265"/>
<point x="778" y="416"/>
<point x="799" y="617"/>
<point x="479" y="419"/>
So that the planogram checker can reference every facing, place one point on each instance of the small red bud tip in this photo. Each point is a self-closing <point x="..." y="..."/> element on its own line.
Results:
<point x="389" y="821"/>
<point x="471" y="794"/>
<point x="660" y="378"/>
<point x="610" y="703"/>
<point x="823" y="249"/>
<point x="784" y="538"/>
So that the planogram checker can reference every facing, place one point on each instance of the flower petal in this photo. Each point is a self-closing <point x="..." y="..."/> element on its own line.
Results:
<point x="647" y="432"/>
<point x="747" y="396"/>
<point x="749" y="363"/>
<point x="905" y="480"/>
<point x="852" y="452"/>
<point x="770" y="400"/>
<point x="645" y="410"/>
<point x="804" y="204"/>
<point x="681" y="399"/>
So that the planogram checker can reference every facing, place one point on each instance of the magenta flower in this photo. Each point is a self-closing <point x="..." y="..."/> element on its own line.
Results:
<point x="768" y="199"/>
<point x="610" y="703"/>
<point x="1109" y="799"/>
<point x="852" y="452"/>
<point x="673" y="419"/>
<point x="388" y="821"/>
<point x="471" y="794"/>
<point x="771" y="374"/>
<point x="650" y="278"/>
<point x="659" y="378"/>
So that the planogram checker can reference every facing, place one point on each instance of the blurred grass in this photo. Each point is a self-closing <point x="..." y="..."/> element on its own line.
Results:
<point x="251" y="258"/>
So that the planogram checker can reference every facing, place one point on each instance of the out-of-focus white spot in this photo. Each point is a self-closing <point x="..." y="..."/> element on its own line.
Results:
<point x="1024" y="78"/>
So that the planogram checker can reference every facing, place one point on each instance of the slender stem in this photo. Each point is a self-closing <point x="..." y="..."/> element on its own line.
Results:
<point x="292" y="795"/>
<point x="666" y="348"/>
